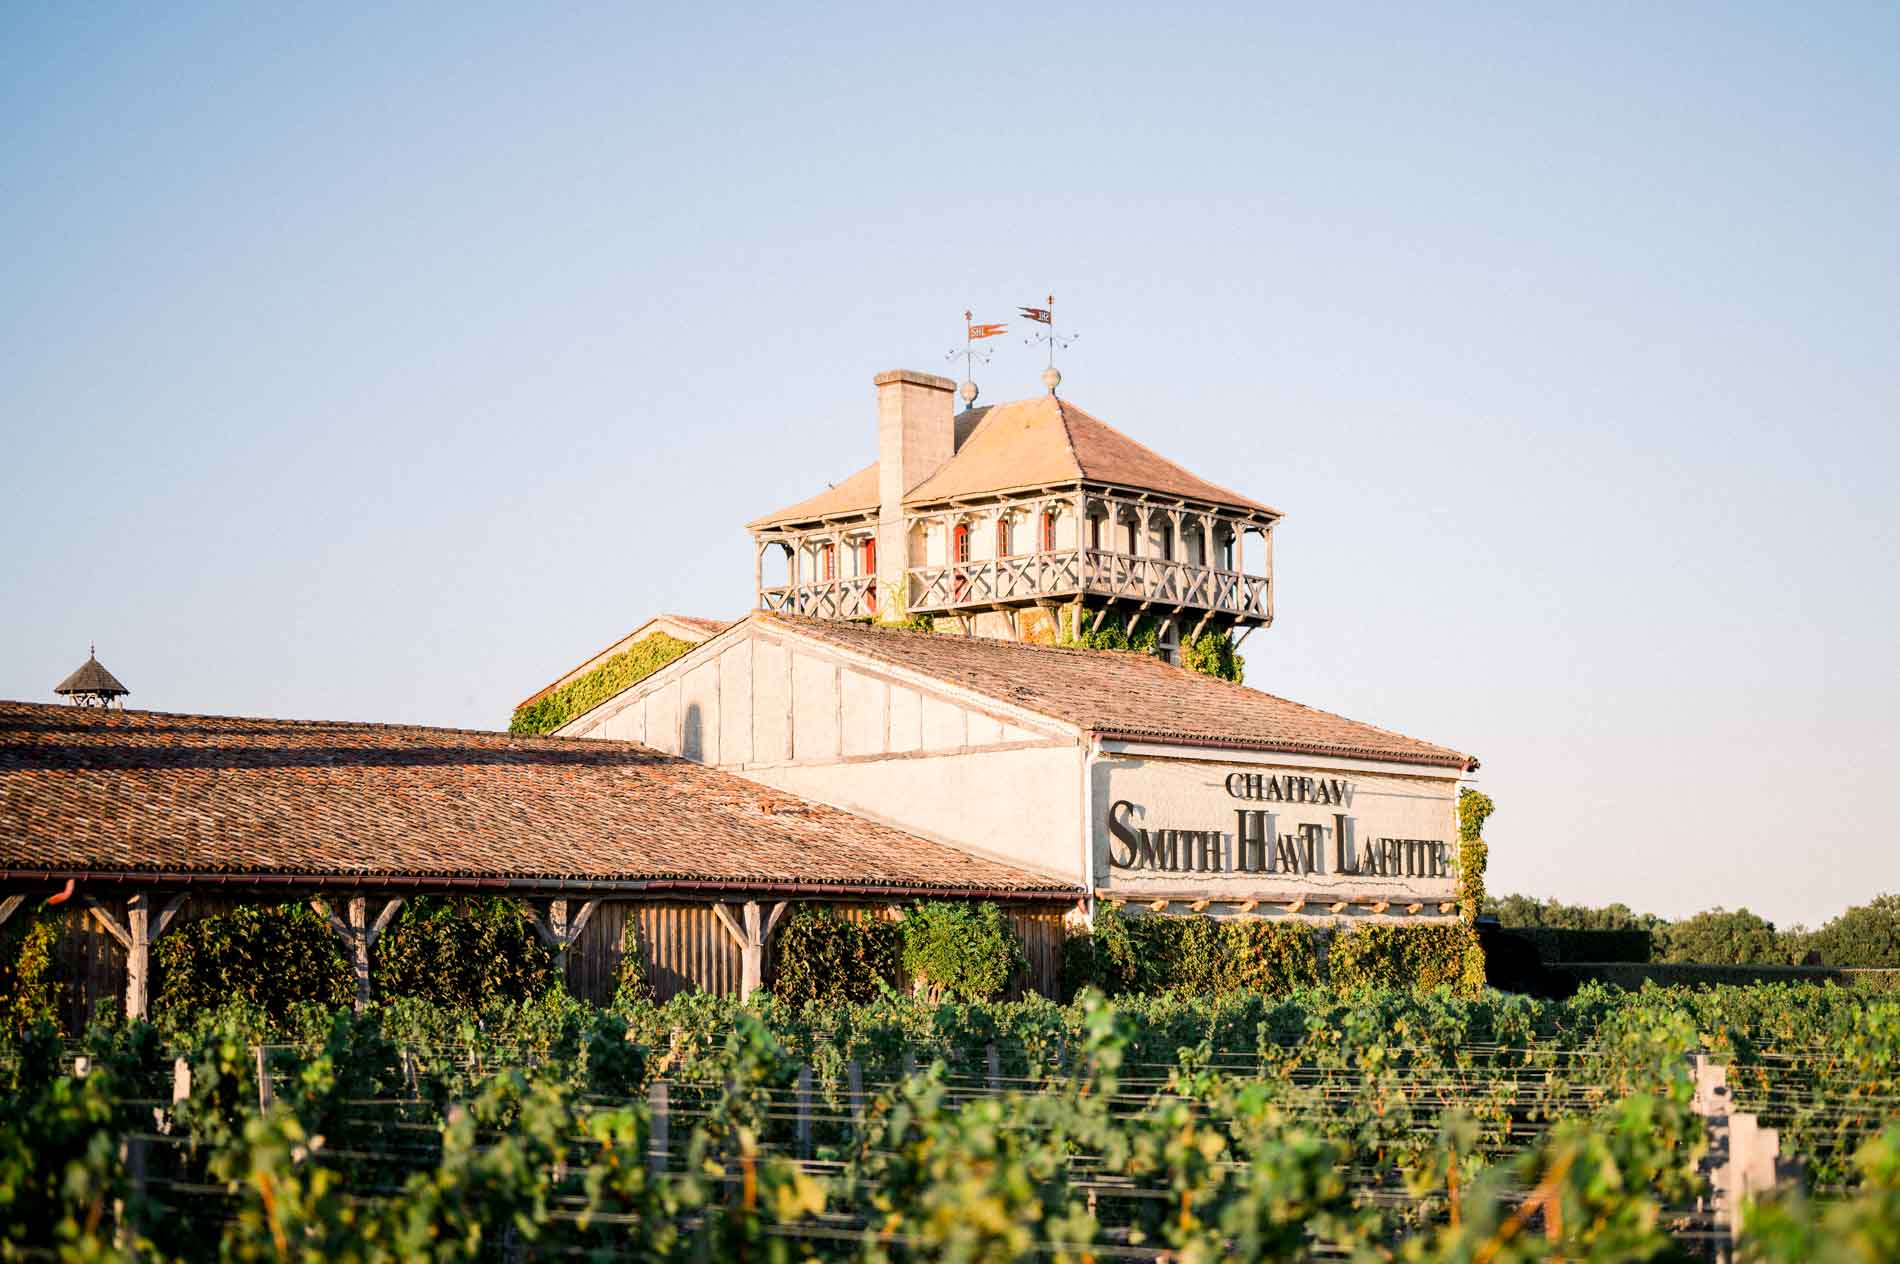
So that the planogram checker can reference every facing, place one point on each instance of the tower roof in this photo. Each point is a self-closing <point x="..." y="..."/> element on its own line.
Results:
<point x="1040" y="442"/>
<point x="1045" y="440"/>
<point x="92" y="677"/>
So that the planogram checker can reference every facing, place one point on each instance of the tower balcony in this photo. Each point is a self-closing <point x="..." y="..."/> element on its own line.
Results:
<point x="1066" y="575"/>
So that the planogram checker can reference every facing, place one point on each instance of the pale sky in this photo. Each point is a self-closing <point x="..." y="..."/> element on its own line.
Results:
<point x="382" y="366"/>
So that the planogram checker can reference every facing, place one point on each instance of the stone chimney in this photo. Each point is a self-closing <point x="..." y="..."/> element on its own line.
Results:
<point x="916" y="435"/>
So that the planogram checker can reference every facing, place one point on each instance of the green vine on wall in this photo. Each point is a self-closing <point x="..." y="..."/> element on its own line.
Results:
<point x="1211" y="653"/>
<point x="28" y="991"/>
<point x="581" y="695"/>
<point x="1474" y="808"/>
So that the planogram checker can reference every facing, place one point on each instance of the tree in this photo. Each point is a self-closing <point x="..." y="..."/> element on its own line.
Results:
<point x="1866" y="936"/>
<point x="1721" y="938"/>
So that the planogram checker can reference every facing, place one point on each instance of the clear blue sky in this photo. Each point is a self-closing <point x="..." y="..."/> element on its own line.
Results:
<point x="381" y="366"/>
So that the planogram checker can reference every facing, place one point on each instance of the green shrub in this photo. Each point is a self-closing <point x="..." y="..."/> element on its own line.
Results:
<point x="468" y="953"/>
<point x="268" y="956"/>
<point x="961" y="950"/>
<point x="824" y="957"/>
<point x="28" y="992"/>
<point x="1407" y="957"/>
<point x="578" y="697"/>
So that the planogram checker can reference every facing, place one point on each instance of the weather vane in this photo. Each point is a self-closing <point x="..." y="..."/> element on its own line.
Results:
<point x="1051" y="377"/>
<point x="971" y="353"/>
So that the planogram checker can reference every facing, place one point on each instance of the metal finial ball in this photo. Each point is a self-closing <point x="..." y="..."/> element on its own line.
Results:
<point x="1052" y="378"/>
<point x="968" y="391"/>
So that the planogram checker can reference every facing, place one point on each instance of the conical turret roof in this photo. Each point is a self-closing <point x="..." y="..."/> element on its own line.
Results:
<point x="92" y="677"/>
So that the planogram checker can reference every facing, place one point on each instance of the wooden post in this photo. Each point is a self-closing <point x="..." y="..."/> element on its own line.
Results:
<point x="994" y="1066"/>
<point x="9" y="906"/>
<point x="752" y="939"/>
<point x="264" y="1094"/>
<point x="804" y="1112"/>
<point x="657" y="1131"/>
<point x="561" y="928"/>
<point x="359" y="935"/>
<point x="854" y="1089"/>
<point x="136" y="935"/>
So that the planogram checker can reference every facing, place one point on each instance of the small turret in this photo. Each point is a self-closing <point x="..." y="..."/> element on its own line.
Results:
<point x="92" y="685"/>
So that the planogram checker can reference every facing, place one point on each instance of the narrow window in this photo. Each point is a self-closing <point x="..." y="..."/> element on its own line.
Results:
<point x="1002" y="537"/>
<point x="1130" y="530"/>
<point x="867" y="565"/>
<point x="960" y="543"/>
<point x="1048" y="544"/>
<point x="1095" y="533"/>
<point x="828" y="560"/>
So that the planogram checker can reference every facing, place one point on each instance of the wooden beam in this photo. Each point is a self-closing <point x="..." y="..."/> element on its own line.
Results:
<point x="110" y="924"/>
<point x="9" y="906"/>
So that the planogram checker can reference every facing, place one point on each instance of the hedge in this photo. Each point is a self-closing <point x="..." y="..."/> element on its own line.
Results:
<point x="1418" y="957"/>
<point x="1197" y="956"/>
<point x="1205" y="956"/>
<point x="1556" y="946"/>
<point x="583" y="694"/>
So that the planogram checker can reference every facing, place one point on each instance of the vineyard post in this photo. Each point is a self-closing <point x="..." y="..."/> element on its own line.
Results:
<point x="804" y="1111"/>
<point x="1744" y="1159"/>
<point x="263" y="1079"/>
<point x="854" y="1088"/>
<point x="656" y="1135"/>
<point x="994" y="1065"/>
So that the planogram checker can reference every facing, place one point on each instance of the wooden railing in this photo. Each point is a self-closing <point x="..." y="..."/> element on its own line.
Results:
<point x="1087" y="572"/>
<point x="854" y="598"/>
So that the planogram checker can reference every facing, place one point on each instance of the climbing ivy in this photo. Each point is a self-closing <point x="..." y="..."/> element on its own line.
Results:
<point x="823" y="957"/>
<point x="467" y="952"/>
<point x="581" y="695"/>
<point x="1474" y="808"/>
<point x="1399" y="957"/>
<point x="1211" y="653"/>
<point x="28" y="992"/>
<point x="272" y="956"/>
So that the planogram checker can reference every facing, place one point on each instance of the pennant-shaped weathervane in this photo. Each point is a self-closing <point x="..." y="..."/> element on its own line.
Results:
<point x="986" y="331"/>
<point x="1042" y="314"/>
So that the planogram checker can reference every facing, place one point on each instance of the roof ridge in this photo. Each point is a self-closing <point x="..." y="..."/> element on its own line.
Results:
<point x="380" y="725"/>
<point x="1068" y="435"/>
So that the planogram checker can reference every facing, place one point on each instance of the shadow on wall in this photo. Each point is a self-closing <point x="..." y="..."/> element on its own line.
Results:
<point x="692" y="739"/>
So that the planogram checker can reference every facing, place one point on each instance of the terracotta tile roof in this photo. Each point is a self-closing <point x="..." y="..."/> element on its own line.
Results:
<point x="1028" y="443"/>
<point x="680" y="626"/>
<point x="1124" y="695"/>
<point x="98" y="791"/>
<point x="857" y="494"/>
<point x="1043" y="441"/>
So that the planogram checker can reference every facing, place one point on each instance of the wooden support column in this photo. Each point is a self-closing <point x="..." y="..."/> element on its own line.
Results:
<point x="136" y="935"/>
<point x="10" y="906"/>
<point x="752" y="939"/>
<point x="561" y="927"/>
<point x="359" y="935"/>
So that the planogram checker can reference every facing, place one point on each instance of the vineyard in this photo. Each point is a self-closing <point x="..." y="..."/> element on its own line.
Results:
<point x="1383" y="1126"/>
